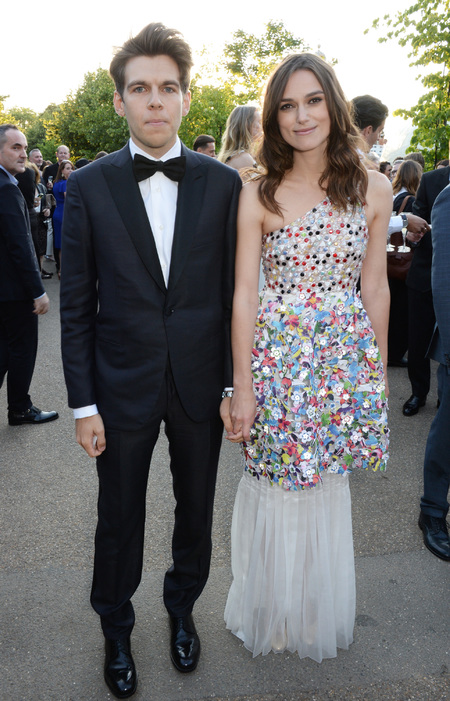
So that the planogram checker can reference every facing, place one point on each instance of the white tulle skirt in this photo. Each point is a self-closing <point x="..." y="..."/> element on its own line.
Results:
<point x="293" y="568"/>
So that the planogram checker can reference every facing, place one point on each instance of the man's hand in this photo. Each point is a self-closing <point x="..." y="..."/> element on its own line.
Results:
<point x="416" y="224"/>
<point x="41" y="305"/>
<point x="90" y="433"/>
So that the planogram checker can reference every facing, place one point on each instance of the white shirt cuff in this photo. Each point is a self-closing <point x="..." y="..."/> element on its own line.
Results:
<point x="395" y="224"/>
<point x="85" y="411"/>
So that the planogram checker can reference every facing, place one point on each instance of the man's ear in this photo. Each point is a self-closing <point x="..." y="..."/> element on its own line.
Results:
<point x="119" y="104"/>
<point x="367" y="131"/>
<point x="186" y="103"/>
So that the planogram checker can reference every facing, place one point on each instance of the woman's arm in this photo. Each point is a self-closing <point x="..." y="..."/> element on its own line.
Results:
<point x="239" y="414"/>
<point x="374" y="284"/>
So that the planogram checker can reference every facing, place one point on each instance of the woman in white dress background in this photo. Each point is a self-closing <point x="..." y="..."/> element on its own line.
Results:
<point x="309" y="398"/>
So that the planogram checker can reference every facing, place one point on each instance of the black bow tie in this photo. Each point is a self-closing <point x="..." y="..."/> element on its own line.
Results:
<point x="144" y="168"/>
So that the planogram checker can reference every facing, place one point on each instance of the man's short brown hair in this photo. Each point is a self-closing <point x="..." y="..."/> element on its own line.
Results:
<point x="154" y="40"/>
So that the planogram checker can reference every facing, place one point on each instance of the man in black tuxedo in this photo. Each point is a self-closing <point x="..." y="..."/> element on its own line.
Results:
<point x="22" y="296"/>
<point x="436" y="470"/>
<point x="146" y="297"/>
<point x="421" y="318"/>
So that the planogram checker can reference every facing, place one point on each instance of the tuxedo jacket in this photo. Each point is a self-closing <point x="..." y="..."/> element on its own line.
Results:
<point x="440" y="231"/>
<point x="20" y="277"/>
<point x="121" y="326"/>
<point x="431" y="184"/>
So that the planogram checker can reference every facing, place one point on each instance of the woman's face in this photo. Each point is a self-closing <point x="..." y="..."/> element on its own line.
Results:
<point x="303" y="116"/>
<point x="256" y="127"/>
<point x="67" y="169"/>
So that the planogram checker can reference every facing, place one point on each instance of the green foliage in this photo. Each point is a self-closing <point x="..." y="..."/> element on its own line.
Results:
<point x="425" y="28"/>
<point x="210" y="107"/>
<point x="87" y="122"/>
<point x="250" y="59"/>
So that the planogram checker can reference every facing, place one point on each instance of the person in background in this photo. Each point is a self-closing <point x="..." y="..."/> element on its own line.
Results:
<point x="369" y="115"/>
<point x="100" y="154"/>
<point x="81" y="162"/>
<point x="35" y="156"/>
<point x="22" y="295"/>
<point x="442" y="164"/>
<point x="386" y="168"/>
<point x="204" y="143"/>
<point x="65" y="169"/>
<point x="42" y="211"/>
<point x="242" y="130"/>
<point x="417" y="157"/>
<point x="51" y="171"/>
<point x="404" y="188"/>
<point x="421" y="317"/>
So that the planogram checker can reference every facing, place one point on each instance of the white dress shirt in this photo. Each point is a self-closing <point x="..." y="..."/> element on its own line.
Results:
<point x="160" y="195"/>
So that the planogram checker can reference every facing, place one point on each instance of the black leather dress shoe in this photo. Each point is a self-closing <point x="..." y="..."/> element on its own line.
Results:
<point x="435" y="535"/>
<point x="120" y="672"/>
<point x="33" y="415"/>
<point x="413" y="405"/>
<point x="184" y="643"/>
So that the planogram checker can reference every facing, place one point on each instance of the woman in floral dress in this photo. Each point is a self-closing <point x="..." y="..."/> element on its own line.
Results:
<point x="310" y="394"/>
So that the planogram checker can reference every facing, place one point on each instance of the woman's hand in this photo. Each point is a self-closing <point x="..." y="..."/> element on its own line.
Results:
<point x="238" y="415"/>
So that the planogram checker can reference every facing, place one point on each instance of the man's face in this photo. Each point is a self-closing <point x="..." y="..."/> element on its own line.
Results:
<point x="371" y="135"/>
<point x="62" y="154"/>
<point x="152" y="102"/>
<point x="36" y="158"/>
<point x="13" y="153"/>
<point x="208" y="149"/>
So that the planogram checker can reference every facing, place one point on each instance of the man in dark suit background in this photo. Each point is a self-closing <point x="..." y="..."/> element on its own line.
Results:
<point x="421" y="318"/>
<point x="434" y="503"/>
<point x="22" y="296"/>
<point x="146" y="299"/>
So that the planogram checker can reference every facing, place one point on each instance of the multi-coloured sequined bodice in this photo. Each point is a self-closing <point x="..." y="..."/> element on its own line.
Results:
<point x="322" y="251"/>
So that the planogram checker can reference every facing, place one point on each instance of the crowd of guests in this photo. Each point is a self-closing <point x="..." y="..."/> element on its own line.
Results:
<point x="43" y="185"/>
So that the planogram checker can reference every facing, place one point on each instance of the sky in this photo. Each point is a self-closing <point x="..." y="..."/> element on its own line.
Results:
<point x="83" y="35"/>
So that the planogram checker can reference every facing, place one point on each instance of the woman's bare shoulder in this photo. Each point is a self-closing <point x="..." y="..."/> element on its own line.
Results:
<point x="241" y="160"/>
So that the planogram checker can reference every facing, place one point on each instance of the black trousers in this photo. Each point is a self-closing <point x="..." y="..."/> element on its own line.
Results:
<point x="398" y="320"/>
<point x="421" y="320"/>
<point x="18" y="349"/>
<point x="123" y="471"/>
<point x="436" y="469"/>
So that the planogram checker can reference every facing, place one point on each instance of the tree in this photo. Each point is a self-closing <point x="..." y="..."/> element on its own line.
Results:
<point x="210" y="107"/>
<point x="87" y="121"/>
<point x="249" y="59"/>
<point x="424" y="27"/>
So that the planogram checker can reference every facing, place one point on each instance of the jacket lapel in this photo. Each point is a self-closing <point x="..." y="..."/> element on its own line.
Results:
<point x="127" y="198"/>
<point x="190" y="198"/>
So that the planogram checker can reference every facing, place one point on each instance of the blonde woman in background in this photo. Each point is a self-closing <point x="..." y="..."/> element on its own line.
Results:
<point x="242" y="130"/>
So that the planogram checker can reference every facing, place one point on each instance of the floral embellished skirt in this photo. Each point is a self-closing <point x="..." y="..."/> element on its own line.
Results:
<point x="319" y="385"/>
<point x="321" y="411"/>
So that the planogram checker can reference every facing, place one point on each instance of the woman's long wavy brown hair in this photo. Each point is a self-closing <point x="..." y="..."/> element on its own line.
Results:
<point x="344" y="177"/>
